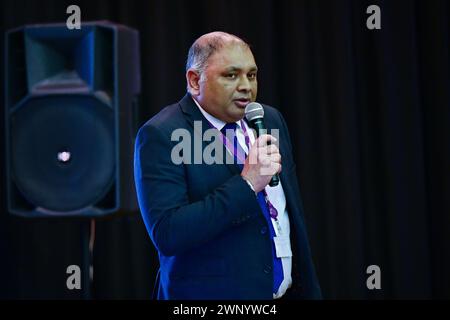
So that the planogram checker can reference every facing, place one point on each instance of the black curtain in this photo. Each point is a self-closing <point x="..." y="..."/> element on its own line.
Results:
<point x="369" y="116"/>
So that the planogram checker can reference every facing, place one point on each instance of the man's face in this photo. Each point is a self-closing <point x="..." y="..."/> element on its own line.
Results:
<point x="229" y="83"/>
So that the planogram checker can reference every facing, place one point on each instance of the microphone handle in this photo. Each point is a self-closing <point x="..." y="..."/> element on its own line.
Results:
<point x="260" y="128"/>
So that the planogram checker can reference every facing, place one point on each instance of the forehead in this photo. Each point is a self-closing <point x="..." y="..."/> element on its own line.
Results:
<point x="232" y="55"/>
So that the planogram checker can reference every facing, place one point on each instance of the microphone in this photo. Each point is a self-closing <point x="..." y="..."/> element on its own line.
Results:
<point x="254" y="113"/>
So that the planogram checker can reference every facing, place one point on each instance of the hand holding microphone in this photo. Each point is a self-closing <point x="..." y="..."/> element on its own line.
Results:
<point x="264" y="160"/>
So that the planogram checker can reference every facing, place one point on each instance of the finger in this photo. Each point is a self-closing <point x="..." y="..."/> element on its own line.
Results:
<point x="276" y="168"/>
<point x="269" y="150"/>
<point x="271" y="170"/>
<point x="264" y="159"/>
<point x="265" y="140"/>
<point x="272" y="149"/>
<point x="279" y="168"/>
<point x="276" y="157"/>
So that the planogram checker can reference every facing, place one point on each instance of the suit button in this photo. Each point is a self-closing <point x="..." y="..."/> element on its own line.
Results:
<point x="263" y="230"/>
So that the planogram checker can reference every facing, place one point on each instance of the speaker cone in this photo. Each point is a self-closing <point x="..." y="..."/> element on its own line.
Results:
<point x="62" y="151"/>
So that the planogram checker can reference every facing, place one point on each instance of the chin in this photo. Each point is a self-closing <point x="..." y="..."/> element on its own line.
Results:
<point x="238" y="117"/>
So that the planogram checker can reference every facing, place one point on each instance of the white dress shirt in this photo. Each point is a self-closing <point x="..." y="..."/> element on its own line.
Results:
<point x="275" y="194"/>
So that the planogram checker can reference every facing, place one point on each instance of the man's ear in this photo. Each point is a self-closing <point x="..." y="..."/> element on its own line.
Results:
<point x="193" y="79"/>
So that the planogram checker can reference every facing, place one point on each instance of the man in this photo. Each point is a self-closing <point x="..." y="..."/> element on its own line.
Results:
<point x="220" y="230"/>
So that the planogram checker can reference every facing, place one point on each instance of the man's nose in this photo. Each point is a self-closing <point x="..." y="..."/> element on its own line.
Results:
<point x="244" y="84"/>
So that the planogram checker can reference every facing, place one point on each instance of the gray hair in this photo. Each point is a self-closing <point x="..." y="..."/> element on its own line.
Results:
<point x="205" y="46"/>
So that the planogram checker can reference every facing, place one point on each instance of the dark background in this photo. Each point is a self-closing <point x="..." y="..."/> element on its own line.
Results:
<point x="369" y="115"/>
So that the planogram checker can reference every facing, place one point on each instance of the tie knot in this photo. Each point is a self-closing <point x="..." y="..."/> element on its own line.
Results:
<point x="229" y="126"/>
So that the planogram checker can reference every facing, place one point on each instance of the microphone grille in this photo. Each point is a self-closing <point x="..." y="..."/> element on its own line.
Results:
<point x="253" y="111"/>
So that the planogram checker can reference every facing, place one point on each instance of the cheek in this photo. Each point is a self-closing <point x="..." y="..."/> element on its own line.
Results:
<point x="229" y="88"/>
<point x="255" y="88"/>
<point x="225" y="90"/>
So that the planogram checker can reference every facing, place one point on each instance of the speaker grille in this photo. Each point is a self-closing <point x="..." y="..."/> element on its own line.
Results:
<point x="62" y="151"/>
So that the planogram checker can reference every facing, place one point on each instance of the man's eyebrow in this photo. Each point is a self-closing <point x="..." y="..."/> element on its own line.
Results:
<point x="234" y="68"/>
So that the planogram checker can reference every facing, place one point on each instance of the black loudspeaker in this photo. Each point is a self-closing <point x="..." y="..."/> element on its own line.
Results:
<point x="71" y="109"/>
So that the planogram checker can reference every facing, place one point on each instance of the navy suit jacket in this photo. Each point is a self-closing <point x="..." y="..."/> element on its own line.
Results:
<point x="205" y="221"/>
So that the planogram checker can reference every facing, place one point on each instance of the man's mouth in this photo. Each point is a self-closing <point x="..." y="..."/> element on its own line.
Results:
<point x="241" y="103"/>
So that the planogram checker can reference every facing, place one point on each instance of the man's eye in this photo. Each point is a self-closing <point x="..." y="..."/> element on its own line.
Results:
<point x="252" y="76"/>
<point x="231" y="76"/>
